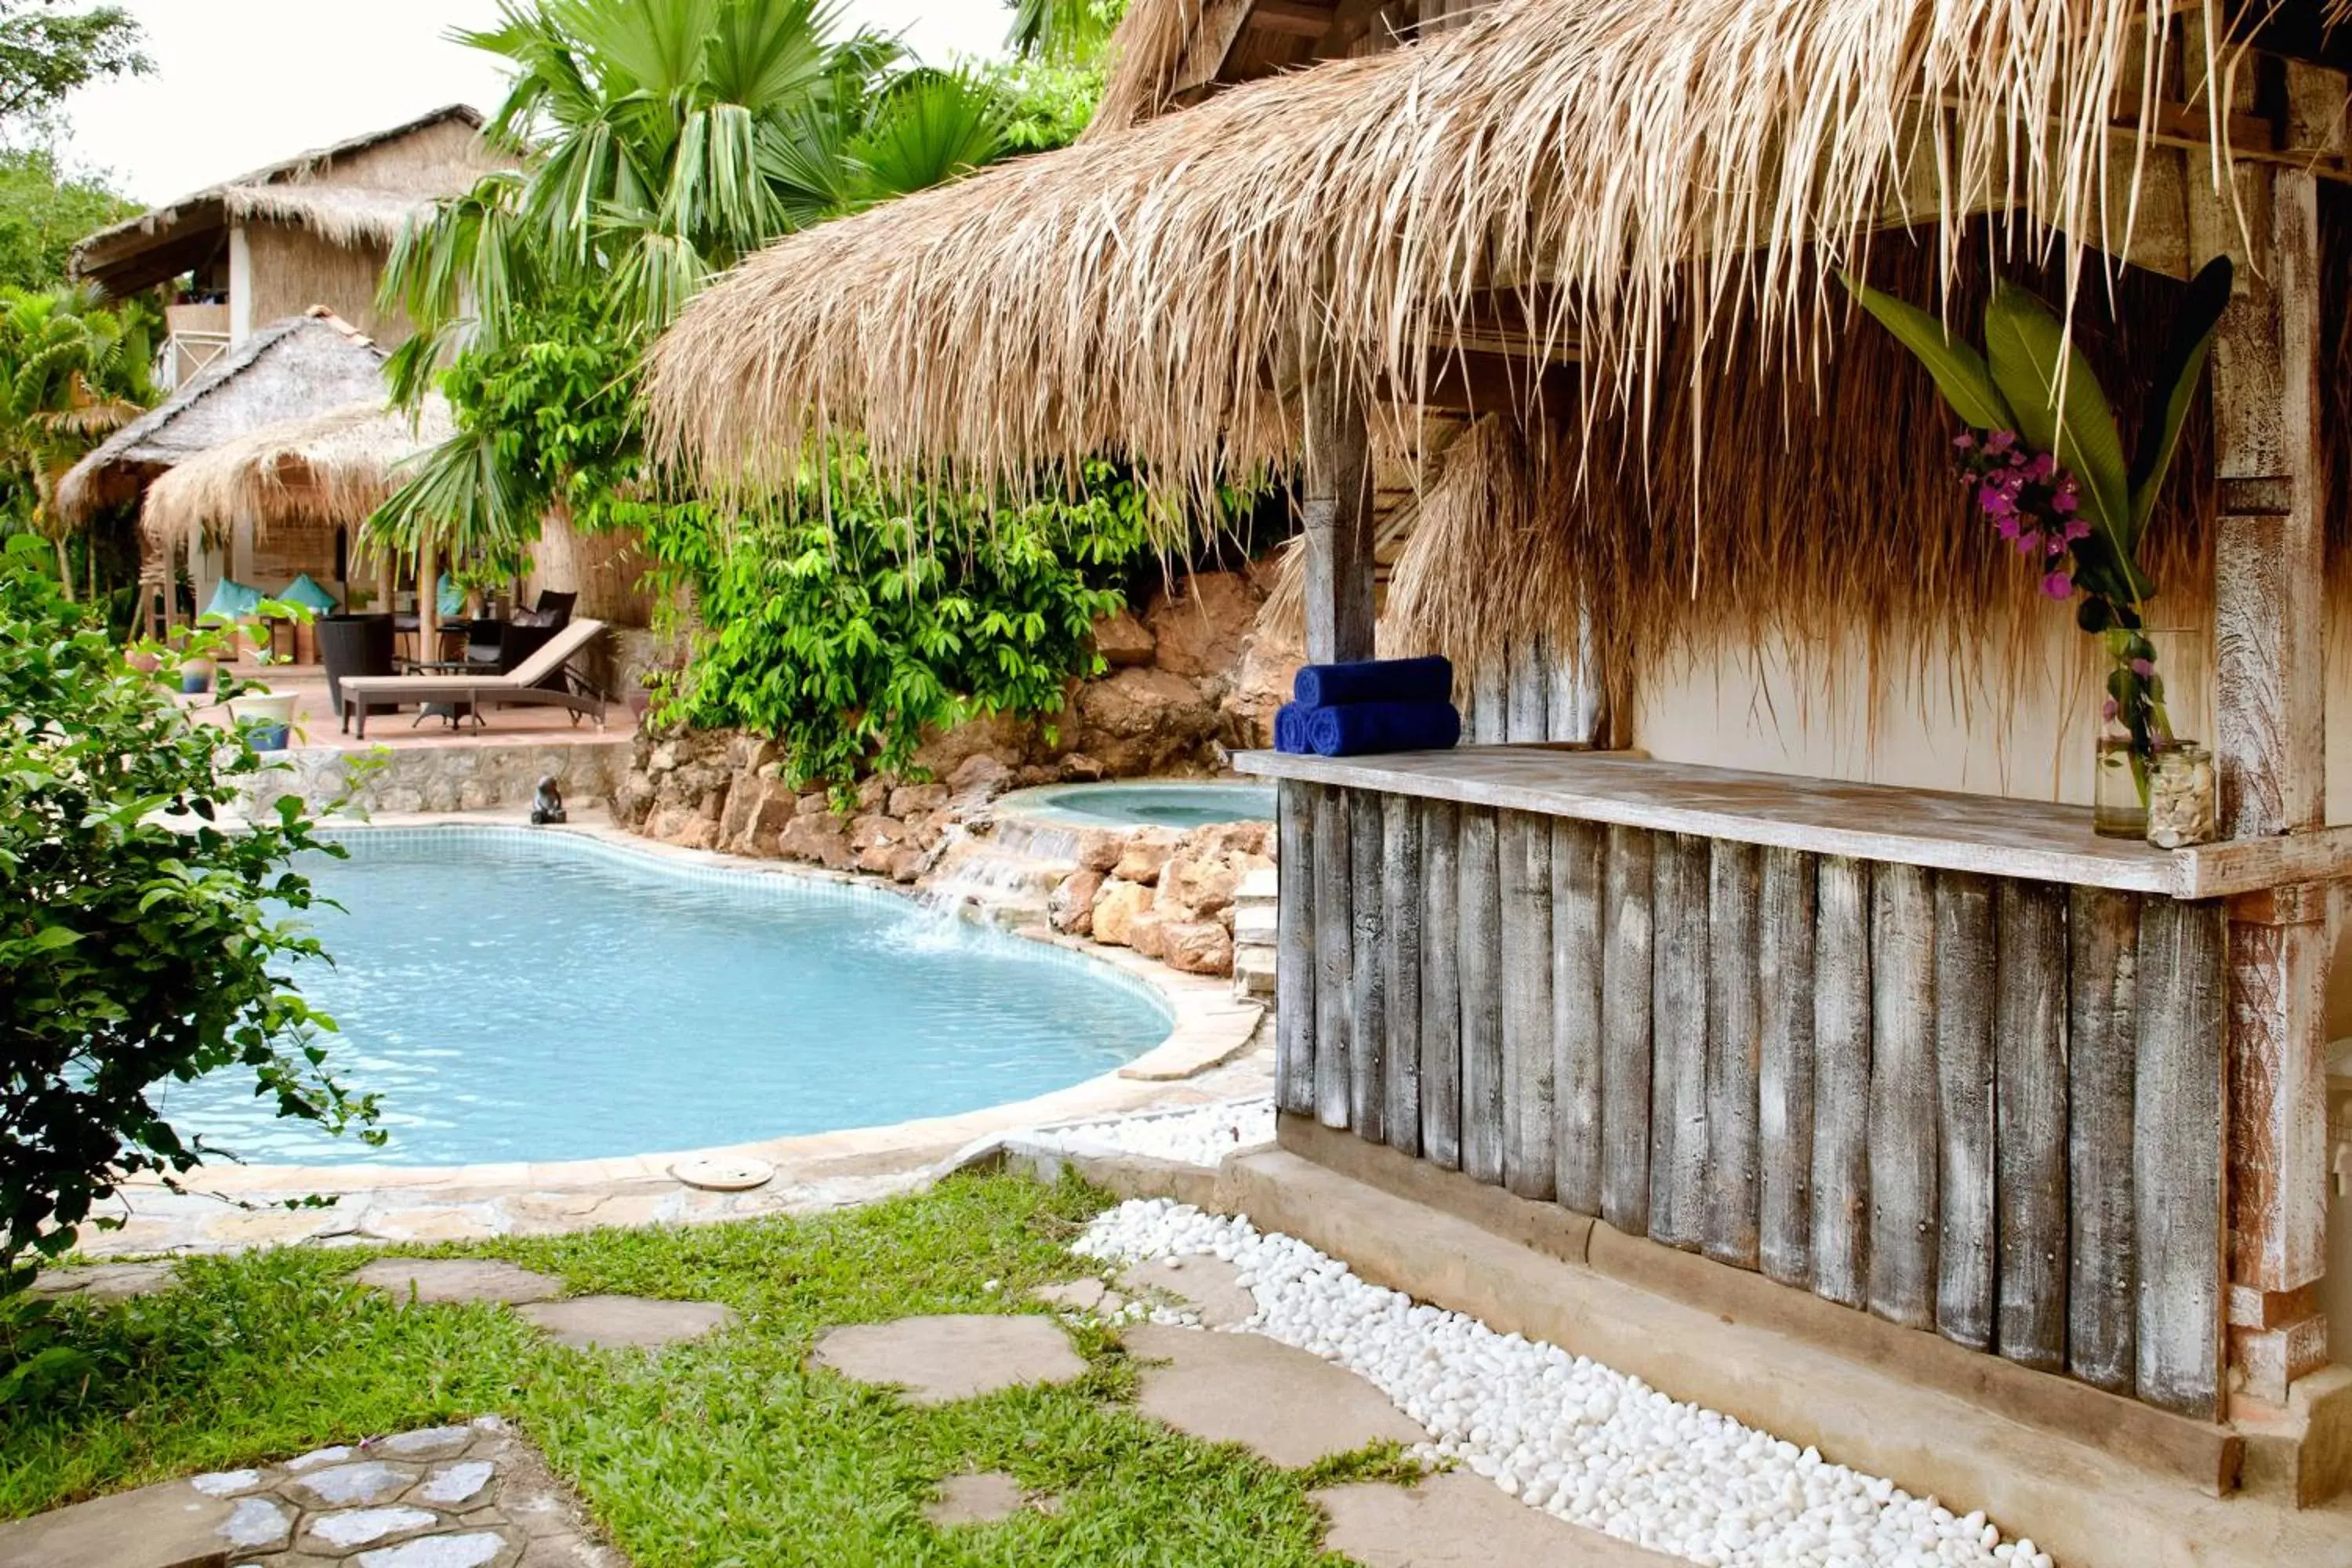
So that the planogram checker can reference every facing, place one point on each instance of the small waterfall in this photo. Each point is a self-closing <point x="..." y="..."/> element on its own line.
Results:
<point x="1000" y="872"/>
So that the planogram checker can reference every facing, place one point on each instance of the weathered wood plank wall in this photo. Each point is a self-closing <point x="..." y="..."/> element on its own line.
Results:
<point x="1987" y="1109"/>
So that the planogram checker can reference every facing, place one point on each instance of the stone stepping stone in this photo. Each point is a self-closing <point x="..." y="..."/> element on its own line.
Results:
<point x="625" y="1323"/>
<point x="938" y="1361"/>
<point x="1464" y="1521"/>
<point x="104" y="1281"/>
<point x="1282" y="1403"/>
<point x="458" y="1281"/>
<point x="360" y="1485"/>
<point x="987" y="1497"/>
<point x="1080" y="1296"/>
<point x="1210" y="1286"/>
<point x="169" y="1526"/>
<point x="330" y="1534"/>
<point x="471" y="1550"/>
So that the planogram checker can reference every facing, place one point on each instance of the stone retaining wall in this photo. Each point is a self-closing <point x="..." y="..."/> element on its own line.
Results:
<point x="471" y="777"/>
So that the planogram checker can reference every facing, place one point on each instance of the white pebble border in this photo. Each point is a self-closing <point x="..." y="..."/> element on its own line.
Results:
<point x="1203" y="1136"/>
<point x="1565" y="1434"/>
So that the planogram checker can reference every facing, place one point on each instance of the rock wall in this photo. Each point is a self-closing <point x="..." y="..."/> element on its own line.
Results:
<point x="1168" y="895"/>
<point x="474" y="777"/>
<point x="1190" y="680"/>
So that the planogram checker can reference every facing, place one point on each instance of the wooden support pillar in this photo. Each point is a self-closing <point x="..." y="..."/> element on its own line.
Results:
<point x="1338" y="523"/>
<point x="428" y="599"/>
<point x="2269" y="718"/>
<point x="387" y="582"/>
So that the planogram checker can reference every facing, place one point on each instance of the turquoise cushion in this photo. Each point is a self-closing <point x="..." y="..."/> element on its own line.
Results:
<point x="451" y="599"/>
<point x="233" y="601"/>
<point x="307" y="593"/>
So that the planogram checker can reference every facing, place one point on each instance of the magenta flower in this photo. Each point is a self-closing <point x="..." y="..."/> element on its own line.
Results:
<point x="2058" y="586"/>
<point x="2066" y="502"/>
<point x="2000" y="441"/>
<point x="2144" y="668"/>
<point x="1966" y="441"/>
<point x="2113" y="708"/>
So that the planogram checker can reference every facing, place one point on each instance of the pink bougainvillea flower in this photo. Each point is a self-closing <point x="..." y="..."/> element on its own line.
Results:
<point x="1966" y="441"/>
<point x="2144" y="668"/>
<point x="2058" y="585"/>
<point x="2000" y="441"/>
<point x="2113" y="708"/>
<point x="2043" y="465"/>
<point x="2076" y="529"/>
<point x="2066" y="502"/>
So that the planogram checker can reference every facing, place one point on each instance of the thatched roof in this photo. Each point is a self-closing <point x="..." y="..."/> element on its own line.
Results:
<point x="300" y="366"/>
<point x="364" y="190"/>
<point x="332" y="468"/>
<point x="1610" y="171"/>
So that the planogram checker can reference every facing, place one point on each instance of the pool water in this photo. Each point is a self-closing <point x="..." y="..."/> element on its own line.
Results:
<point x="521" y="996"/>
<point x="1171" y="804"/>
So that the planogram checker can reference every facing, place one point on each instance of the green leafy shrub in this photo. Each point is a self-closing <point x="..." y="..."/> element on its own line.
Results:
<point x="143" y="938"/>
<point x="855" y="618"/>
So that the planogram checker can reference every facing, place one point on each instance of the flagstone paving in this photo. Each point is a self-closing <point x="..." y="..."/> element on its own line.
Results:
<point x="984" y="1498"/>
<point x="625" y="1323"/>
<point x="1208" y="1288"/>
<point x="476" y="1496"/>
<point x="1280" y="1403"/>
<point x="440" y="1281"/>
<point x="1461" y="1520"/>
<point x="937" y="1360"/>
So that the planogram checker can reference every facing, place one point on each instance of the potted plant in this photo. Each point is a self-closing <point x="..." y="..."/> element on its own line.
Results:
<point x="2043" y="458"/>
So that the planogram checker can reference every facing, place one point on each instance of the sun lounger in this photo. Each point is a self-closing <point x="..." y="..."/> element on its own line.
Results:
<point x="543" y="679"/>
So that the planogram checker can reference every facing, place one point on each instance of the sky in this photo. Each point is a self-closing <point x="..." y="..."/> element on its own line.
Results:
<point x="240" y="83"/>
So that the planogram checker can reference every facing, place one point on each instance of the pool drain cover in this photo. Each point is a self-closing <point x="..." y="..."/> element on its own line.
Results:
<point x="722" y="1174"/>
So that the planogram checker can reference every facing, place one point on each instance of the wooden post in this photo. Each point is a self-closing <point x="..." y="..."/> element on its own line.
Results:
<point x="1841" y="978"/>
<point x="387" y="581"/>
<point x="2177" y="1176"/>
<point x="1529" y="1153"/>
<point x="1965" y="999"/>
<point x="1368" y="1024"/>
<point x="1338" y="521"/>
<point x="1784" y="1120"/>
<point x="1401" y="955"/>
<point x="1441" y="984"/>
<point x="2269" y="719"/>
<point x="1626" y="966"/>
<point x="1577" y="935"/>
<point x="1678" y="1127"/>
<point x="1903" y="1208"/>
<point x="1335" y="939"/>
<point x="1295" y="953"/>
<point x="428" y="599"/>
<point x="1735" y="1050"/>
<point x="2030" y="1112"/>
<point x="1481" y="966"/>
<point x="2102" y="1040"/>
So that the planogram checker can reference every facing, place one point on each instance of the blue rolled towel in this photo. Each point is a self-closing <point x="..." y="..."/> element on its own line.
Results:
<point x="1427" y="679"/>
<point x="1368" y="729"/>
<point x="1291" y="730"/>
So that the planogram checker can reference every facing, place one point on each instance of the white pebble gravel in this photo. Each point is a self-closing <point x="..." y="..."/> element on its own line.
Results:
<point x="1563" y="1433"/>
<point x="1203" y="1136"/>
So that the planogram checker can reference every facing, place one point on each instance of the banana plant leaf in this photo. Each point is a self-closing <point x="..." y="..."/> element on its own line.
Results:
<point x="2175" y="390"/>
<point x="1960" y="372"/>
<point x="2065" y="414"/>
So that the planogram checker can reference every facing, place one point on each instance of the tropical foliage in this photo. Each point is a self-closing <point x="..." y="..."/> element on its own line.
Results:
<point x="2045" y="458"/>
<point x="854" y="618"/>
<point x="48" y="51"/>
<point x="71" y="372"/>
<point x="143" y="939"/>
<point x="44" y="208"/>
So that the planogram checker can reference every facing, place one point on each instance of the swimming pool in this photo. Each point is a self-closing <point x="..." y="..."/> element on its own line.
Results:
<point x="1144" y="803"/>
<point x="514" y="995"/>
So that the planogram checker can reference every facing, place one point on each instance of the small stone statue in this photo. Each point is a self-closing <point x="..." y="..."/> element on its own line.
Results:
<point x="547" y="805"/>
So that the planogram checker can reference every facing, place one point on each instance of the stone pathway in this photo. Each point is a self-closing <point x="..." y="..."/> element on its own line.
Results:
<point x="1461" y="1520"/>
<point x="446" y="1281"/>
<point x="450" y="1496"/>
<point x="938" y="1361"/>
<point x="625" y="1323"/>
<point x="1281" y="1403"/>
<point x="989" y="1498"/>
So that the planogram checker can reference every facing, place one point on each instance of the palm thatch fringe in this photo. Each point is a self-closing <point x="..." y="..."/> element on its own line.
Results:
<point x="1625" y="177"/>
<point x="331" y="469"/>
<point x="1145" y="54"/>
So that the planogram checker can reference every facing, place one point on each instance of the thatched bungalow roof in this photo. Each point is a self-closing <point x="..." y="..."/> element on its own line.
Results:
<point x="332" y="470"/>
<point x="365" y="189"/>
<point x="1581" y="179"/>
<point x="299" y="366"/>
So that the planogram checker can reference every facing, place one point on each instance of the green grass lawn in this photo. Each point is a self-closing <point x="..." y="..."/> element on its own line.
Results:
<point x="725" y="1451"/>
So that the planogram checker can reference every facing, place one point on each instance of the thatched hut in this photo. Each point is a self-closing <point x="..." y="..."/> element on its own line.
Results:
<point x="1828" y="982"/>
<point x="288" y="370"/>
<point x="296" y="493"/>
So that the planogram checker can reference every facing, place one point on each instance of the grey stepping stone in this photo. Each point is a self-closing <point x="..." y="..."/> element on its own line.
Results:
<point x="1210" y="1287"/>
<point x="1282" y="1403"/>
<point x="471" y="1549"/>
<point x="455" y="1281"/>
<point x="454" y="1484"/>
<point x="984" y="1498"/>
<point x="1076" y="1296"/>
<point x="937" y="1360"/>
<point x="353" y="1486"/>
<point x="168" y="1526"/>
<point x="105" y="1281"/>
<point x="255" y="1523"/>
<point x="337" y="1533"/>
<point x="227" y="1483"/>
<point x="317" y="1457"/>
<point x="1462" y="1521"/>
<point x="431" y="1443"/>
<point x="621" y="1323"/>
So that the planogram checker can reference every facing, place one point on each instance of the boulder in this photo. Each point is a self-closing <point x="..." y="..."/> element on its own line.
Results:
<point x="906" y="863"/>
<point x="1201" y="628"/>
<point x="875" y="832"/>
<point x="1003" y="736"/>
<point x="1099" y="849"/>
<point x="1145" y="855"/>
<point x="820" y="838"/>
<point x="1071" y="905"/>
<point x="979" y="774"/>
<point x="913" y="800"/>
<point x="1196" y="947"/>
<point x="1123" y="641"/>
<point x="1147" y="932"/>
<point x="1080" y="768"/>
<point x="1116" y="909"/>
<point x="1141" y="722"/>
<point x="1195" y="888"/>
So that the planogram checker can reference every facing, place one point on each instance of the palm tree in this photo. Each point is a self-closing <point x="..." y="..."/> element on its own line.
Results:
<point x="71" y="372"/>
<point x="667" y="140"/>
